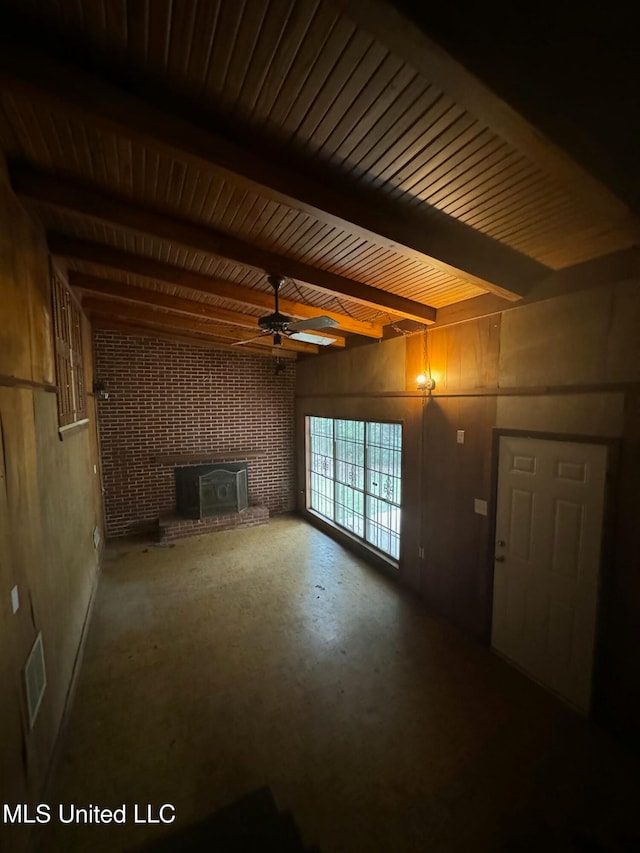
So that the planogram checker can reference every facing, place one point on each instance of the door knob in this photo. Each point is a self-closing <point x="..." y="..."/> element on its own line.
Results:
<point x="499" y="559"/>
<point x="501" y="543"/>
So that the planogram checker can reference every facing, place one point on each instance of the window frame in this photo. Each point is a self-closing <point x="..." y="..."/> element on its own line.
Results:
<point x="66" y="321"/>
<point x="331" y="502"/>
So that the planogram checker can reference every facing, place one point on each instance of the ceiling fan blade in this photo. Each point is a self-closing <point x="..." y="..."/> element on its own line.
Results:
<point x="322" y="322"/>
<point x="249" y="340"/>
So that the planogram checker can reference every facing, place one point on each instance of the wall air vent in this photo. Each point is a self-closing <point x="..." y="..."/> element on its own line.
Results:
<point x="35" y="679"/>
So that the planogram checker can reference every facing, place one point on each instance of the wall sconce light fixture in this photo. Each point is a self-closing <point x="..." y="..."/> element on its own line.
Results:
<point x="425" y="383"/>
<point x="100" y="389"/>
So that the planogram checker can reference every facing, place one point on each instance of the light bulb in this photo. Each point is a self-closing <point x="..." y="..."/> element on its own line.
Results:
<point x="425" y="383"/>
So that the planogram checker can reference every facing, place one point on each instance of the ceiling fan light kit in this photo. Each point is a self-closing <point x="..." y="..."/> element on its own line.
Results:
<point x="319" y="340"/>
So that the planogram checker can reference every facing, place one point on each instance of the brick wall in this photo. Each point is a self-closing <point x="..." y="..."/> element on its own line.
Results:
<point x="168" y="398"/>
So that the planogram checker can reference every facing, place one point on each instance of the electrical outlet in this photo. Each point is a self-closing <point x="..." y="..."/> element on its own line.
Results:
<point x="15" y="599"/>
<point x="460" y="436"/>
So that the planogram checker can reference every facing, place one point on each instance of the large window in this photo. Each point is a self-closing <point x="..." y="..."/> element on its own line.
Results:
<point x="354" y="478"/>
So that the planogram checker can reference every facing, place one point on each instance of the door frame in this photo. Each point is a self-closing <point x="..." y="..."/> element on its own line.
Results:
<point x="607" y="548"/>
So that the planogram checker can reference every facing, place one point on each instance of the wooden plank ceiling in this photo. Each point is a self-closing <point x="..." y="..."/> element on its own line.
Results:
<point x="178" y="152"/>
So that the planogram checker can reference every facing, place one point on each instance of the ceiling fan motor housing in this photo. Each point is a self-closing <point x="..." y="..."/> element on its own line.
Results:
<point x="275" y="322"/>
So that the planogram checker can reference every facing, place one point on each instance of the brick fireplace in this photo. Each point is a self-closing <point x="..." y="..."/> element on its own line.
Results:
<point x="210" y="494"/>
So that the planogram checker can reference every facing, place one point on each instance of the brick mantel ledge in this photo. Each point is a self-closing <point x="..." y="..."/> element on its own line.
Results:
<point x="204" y="457"/>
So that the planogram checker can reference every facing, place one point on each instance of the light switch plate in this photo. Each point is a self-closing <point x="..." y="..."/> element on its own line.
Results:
<point x="15" y="599"/>
<point x="460" y="436"/>
<point x="479" y="506"/>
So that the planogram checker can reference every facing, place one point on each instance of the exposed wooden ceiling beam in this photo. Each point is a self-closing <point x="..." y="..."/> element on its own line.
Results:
<point x="104" y="256"/>
<point x="201" y="341"/>
<point x="138" y="295"/>
<point x="407" y="40"/>
<point x="89" y="203"/>
<point x="137" y="313"/>
<point x="440" y="239"/>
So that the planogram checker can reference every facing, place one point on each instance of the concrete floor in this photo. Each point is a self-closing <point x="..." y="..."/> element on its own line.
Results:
<point x="271" y="656"/>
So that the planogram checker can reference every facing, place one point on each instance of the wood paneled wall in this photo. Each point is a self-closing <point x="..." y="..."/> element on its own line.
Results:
<point x="457" y="578"/>
<point x="569" y="365"/>
<point x="49" y="506"/>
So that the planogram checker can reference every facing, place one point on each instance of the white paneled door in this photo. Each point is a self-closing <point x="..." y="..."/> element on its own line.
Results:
<point x="547" y="560"/>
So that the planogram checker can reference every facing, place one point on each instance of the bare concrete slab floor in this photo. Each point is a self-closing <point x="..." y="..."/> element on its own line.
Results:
<point x="271" y="656"/>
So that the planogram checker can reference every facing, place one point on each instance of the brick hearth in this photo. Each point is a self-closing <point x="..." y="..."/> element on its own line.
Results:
<point x="171" y="526"/>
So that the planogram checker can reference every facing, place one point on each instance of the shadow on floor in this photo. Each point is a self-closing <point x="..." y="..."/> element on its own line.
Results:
<point x="251" y="824"/>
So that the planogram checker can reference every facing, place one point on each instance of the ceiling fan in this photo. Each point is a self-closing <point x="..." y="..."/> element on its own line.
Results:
<point x="279" y="325"/>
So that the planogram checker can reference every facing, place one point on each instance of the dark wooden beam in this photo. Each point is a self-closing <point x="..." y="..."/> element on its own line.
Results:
<point x="147" y="330"/>
<point x="89" y="203"/>
<point x="138" y="313"/>
<point x="435" y="237"/>
<point x="118" y="291"/>
<point x="97" y="254"/>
